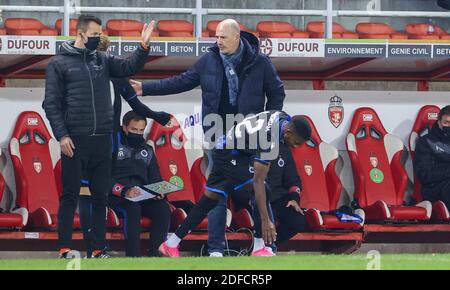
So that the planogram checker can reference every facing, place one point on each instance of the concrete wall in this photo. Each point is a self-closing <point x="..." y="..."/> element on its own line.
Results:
<point x="250" y="21"/>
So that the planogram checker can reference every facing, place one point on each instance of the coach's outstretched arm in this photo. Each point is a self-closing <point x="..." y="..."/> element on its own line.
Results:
<point x="268" y="229"/>
<point x="169" y="86"/>
<point x="125" y="67"/>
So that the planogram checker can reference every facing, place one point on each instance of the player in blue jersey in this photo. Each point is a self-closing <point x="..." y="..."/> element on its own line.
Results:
<point x="256" y="142"/>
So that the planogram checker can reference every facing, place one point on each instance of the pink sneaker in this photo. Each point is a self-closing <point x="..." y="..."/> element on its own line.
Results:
<point x="264" y="252"/>
<point x="167" y="251"/>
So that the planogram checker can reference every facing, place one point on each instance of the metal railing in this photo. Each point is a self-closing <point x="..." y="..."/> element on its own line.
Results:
<point x="71" y="8"/>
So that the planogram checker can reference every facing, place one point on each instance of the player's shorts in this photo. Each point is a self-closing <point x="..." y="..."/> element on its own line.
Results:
<point x="231" y="170"/>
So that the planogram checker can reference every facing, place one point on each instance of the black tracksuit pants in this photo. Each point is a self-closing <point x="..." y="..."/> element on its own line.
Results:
<point x="92" y="155"/>
<point x="289" y="221"/>
<point x="157" y="210"/>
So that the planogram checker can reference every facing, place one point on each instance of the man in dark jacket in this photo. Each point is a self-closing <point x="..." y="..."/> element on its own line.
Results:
<point x="235" y="78"/>
<point x="78" y="105"/>
<point x="432" y="162"/>
<point x="136" y="165"/>
<point x="122" y="89"/>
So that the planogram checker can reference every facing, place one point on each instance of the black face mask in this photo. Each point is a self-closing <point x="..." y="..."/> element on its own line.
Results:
<point x="446" y="131"/>
<point x="135" y="139"/>
<point x="92" y="43"/>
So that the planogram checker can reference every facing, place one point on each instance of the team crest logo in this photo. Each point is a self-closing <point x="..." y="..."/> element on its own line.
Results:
<point x="251" y="169"/>
<point x="308" y="168"/>
<point x="281" y="162"/>
<point x="373" y="160"/>
<point x="144" y="153"/>
<point x="376" y="175"/>
<point x="37" y="165"/>
<point x="266" y="46"/>
<point x="336" y="111"/>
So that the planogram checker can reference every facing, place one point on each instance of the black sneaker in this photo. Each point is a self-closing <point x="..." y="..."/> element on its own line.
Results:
<point x="101" y="255"/>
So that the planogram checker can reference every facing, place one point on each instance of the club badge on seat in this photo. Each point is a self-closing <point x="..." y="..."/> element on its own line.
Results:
<point x="308" y="168"/>
<point x="37" y="165"/>
<point x="376" y="175"/>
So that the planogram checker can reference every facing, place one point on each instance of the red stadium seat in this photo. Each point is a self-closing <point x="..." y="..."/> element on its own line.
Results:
<point x="369" y="30"/>
<point x="17" y="218"/>
<point x="27" y="32"/>
<point x="126" y="28"/>
<point x="350" y="35"/>
<point x="176" y="34"/>
<point x="117" y="26"/>
<point x="48" y="32"/>
<point x="426" y="118"/>
<point x="300" y="34"/>
<point x="198" y="177"/>
<point x="27" y="26"/>
<point x="316" y="29"/>
<point x="424" y="31"/>
<point x="168" y="144"/>
<point x="199" y="182"/>
<point x="175" y="28"/>
<point x="399" y="36"/>
<point x="35" y="158"/>
<point x="275" y="29"/>
<point x="72" y="25"/>
<point x="322" y="188"/>
<point x="205" y="33"/>
<point x="379" y="176"/>
<point x="112" y="219"/>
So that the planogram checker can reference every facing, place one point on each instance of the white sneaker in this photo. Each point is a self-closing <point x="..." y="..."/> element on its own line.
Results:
<point x="216" y="255"/>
